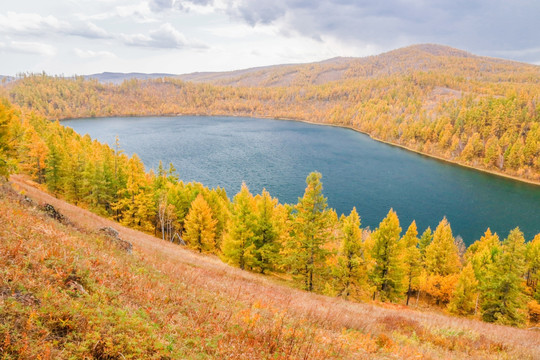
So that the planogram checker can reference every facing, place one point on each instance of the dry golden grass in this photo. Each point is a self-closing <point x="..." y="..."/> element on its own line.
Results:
<point x="167" y="302"/>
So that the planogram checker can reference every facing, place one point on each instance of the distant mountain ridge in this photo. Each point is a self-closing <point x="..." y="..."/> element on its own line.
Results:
<point x="423" y="57"/>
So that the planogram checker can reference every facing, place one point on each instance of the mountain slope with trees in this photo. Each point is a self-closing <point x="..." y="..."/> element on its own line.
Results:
<point x="423" y="57"/>
<point x="134" y="304"/>
<point x="476" y="111"/>
<point x="307" y="244"/>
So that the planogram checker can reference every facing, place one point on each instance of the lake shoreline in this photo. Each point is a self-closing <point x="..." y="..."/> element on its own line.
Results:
<point x="275" y="155"/>
<point x="503" y="175"/>
<point x="487" y="171"/>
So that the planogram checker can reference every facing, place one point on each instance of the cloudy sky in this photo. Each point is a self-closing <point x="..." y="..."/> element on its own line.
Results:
<point x="180" y="36"/>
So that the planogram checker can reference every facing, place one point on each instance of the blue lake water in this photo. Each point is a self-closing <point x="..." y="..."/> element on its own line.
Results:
<point x="357" y="171"/>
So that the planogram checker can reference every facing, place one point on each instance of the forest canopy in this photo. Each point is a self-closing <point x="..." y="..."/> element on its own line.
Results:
<point x="495" y="279"/>
<point x="474" y="111"/>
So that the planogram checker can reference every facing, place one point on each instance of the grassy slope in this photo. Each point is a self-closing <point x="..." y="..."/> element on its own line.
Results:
<point x="166" y="302"/>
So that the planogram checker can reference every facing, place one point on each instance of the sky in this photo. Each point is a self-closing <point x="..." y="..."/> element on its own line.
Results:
<point x="77" y="37"/>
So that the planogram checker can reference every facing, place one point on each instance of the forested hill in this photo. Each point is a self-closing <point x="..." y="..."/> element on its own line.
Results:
<point x="468" y="111"/>
<point x="82" y="298"/>
<point x="424" y="57"/>
<point x="443" y="102"/>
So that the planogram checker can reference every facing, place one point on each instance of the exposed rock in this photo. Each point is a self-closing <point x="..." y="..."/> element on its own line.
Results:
<point x="55" y="214"/>
<point x="24" y="298"/>
<point x="109" y="231"/>
<point x="75" y="286"/>
<point x="73" y="283"/>
<point x="124" y="245"/>
<point x="114" y="236"/>
<point x="27" y="201"/>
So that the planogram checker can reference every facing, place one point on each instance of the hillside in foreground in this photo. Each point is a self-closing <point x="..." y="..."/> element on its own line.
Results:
<point x="66" y="291"/>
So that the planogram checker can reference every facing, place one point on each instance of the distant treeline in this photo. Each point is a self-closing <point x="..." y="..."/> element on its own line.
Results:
<point x="306" y="243"/>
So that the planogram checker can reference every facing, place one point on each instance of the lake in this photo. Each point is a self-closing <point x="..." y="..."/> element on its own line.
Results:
<point x="357" y="171"/>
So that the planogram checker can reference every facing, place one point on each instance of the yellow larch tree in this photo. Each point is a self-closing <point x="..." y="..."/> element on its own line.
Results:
<point x="200" y="226"/>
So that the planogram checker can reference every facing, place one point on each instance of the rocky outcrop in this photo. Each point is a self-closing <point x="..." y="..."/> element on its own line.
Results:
<point x="23" y="297"/>
<point x="52" y="212"/>
<point x="114" y="236"/>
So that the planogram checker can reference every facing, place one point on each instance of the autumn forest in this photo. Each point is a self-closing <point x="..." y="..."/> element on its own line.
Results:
<point x="442" y="102"/>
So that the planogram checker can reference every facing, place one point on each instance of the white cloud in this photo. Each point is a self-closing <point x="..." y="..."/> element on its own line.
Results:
<point x="89" y="54"/>
<point x="139" y="34"/>
<point x="24" y="23"/>
<point x="241" y="30"/>
<point x="198" y="6"/>
<point x="165" y="37"/>
<point x="21" y="24"/>
<point x="161" y="5"/>
<point x="152" y="10"/>
<point x="25" y="47"/>
<point x="88" y="30"/>
<point x="492" y="25"/>
<point x="140" y="12"/>
<point x="136" y="12"/>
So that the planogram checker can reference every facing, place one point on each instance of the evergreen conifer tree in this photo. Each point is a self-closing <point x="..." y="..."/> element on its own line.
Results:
<point x="465" y="295"/>
<point x="533" y="266"/>
<point x="238" y="241"/>
<point x="6" y="115"/>
<point x="307" y="252"/>
<point x="423" y="243"/>
<point x="387" y="272"/>
<point x="266" y="232"/>
<point x="200" y="226"/>
<point x="411" y="258"/>
<point x="442" y="264"/>
<point x="350" y="267"/>
<point x="442" y="256"/>
<point x="502" y="291"/>
<point x="482" y="253"/>
<point x="136" y="203"/>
